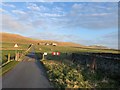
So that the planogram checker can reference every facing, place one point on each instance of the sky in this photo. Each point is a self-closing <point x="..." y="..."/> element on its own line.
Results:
<point x="86" y="23"/>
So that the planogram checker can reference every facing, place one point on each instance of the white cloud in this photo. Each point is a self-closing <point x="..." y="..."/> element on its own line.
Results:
<point x="113" y="35"/>
<point x="50" y="15"/>
<point x="33" y="6"/>
<point x="92" y="16"/>
<point x="11" y="24"/>
<point x="18" y="12"/>
<point x="76" y="6"/>
<point x="52" y="36"/>
<point x="43" y="8"/>
<point x="109" y="40"/>
<point x="100" y="14"/>
<point x="57" y="9"/>
<point x="2" y="10"/>
<point x="8" y="5"/>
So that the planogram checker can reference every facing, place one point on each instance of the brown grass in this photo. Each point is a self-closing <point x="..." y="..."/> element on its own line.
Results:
<point x="14" y="38"/>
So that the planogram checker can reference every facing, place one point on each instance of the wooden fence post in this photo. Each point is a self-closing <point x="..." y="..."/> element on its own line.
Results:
<point x="18" y="55"/>
<point x="43" y="57"/>
<point x="94" y="66"/>
<point x="16" y="58"/>
<point x="8" y="57"/>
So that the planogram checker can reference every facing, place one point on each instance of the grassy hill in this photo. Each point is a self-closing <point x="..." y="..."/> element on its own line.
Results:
<point x="14" y="38"/>
<point x="98" y="46"/>
<point x="8" y="40"/>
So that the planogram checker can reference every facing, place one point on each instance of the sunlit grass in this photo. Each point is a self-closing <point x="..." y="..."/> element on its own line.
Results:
<point x="42" y="48"/>
<point x="7" y="45"/>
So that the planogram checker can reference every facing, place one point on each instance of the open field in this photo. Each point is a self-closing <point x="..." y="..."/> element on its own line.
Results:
<point x="10" y="46"/>
<point x="9" y="40"/>
<point x="65" y="49"/>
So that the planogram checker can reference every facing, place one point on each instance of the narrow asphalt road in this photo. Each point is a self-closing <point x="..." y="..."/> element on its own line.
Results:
<point x="27" y="74"/>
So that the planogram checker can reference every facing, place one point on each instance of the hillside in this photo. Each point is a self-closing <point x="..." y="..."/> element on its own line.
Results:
<point x="98" y="46"/>
<point x="14" y="38"/>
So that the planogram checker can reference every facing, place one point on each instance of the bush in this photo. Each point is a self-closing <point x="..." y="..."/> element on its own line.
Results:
<point x="64" y="76"/>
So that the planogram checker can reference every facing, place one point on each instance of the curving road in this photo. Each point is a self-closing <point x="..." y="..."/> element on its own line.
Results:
<point x="27" y="74"/>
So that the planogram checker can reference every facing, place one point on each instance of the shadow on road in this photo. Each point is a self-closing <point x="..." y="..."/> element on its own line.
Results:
<point x="37" y="57"/>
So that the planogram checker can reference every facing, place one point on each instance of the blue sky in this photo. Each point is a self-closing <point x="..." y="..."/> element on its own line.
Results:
<point x="86" y="23"/>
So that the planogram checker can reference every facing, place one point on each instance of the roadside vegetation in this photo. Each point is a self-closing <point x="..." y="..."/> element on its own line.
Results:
<point x="8" y="67"/>
<point x="8" y="48"/>
<point x="65" y="74"/>
<point x="12" y="55"/>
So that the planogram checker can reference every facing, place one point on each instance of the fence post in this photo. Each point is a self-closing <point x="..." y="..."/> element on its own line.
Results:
<point x="18" y="54"/>
<point x="16" y="57"/>
<point x="8" y="57"/>
<point x="43" y="57"/>
<point x="93" y="65"/>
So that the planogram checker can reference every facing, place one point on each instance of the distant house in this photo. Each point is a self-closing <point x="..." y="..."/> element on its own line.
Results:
<point x="38" y="43"/>
<point x="47" y="44"/>
<point x="42" y="43"/>
<point x="54" y="44"/>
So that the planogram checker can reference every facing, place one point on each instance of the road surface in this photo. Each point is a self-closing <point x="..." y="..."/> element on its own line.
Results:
<point x="27" y="74"/>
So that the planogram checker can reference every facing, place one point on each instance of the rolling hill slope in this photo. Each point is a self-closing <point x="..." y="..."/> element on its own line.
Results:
<point x="14" y="38"/>
<point x="8" y="41"/>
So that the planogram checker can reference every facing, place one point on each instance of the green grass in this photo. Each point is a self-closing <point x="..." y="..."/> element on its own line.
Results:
<point x="8" y="48"/>
<point x="11" y="45"/>
<point x="94" y="79"/>
<point x="4" y="54"/>
<point x="64" y="76"/>
<point x="70" y="49"/>
<point x="8" y="67"/>
<point x="63" y="51"/>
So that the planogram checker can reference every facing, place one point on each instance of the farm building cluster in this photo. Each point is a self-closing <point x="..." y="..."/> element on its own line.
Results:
<point x="52" y="44"/>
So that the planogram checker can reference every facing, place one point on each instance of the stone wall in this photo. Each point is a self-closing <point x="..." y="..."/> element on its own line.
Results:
<point x="107" y="63"/>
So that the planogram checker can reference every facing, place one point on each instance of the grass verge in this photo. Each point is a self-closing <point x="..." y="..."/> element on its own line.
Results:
<point x="64" y="76"/>
<point x="8" y="67"/>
